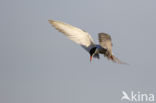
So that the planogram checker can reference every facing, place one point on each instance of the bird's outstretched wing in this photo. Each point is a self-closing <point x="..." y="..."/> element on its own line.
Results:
<point x="106" y="42"/>
<point x="73" y="33"/>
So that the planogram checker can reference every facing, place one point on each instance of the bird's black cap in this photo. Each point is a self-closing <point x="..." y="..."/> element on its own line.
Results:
<point x="91" y="52"/>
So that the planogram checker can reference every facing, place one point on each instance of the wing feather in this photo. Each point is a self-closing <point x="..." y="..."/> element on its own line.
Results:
<point x="105" y="41"/>
<point x="73" y="33"/>
<point x="116" y="60"/>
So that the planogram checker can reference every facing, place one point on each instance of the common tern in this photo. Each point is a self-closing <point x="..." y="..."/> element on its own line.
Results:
<point x="85" y="40"/>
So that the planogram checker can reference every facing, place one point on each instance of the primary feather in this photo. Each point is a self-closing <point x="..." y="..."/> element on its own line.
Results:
<point x="73" y="33"/>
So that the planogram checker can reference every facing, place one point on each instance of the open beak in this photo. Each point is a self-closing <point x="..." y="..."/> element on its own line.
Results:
<point x="90" y="58"/>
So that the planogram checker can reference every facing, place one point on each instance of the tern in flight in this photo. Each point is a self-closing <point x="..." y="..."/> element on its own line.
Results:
<point x="85" y="40"/>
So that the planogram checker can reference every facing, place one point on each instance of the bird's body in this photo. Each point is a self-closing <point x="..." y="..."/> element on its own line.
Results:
<point x="85" y="40"/>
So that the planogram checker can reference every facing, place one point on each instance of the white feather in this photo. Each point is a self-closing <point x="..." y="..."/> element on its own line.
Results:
<point x="73" y="33"/>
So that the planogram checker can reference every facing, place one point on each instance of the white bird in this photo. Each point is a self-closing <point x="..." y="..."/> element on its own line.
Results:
<point x="85" y="40"/>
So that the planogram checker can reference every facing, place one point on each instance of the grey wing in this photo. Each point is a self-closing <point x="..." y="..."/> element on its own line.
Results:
<point x="105" y="41"/>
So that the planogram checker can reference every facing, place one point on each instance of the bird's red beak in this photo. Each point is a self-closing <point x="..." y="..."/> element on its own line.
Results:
<point x="90" y="58"/>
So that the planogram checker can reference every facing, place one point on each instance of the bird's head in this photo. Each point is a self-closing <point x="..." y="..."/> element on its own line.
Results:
<point x="92" y="52"/>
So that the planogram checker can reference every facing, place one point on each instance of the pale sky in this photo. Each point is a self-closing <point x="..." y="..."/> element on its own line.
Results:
<point x="40" y="65"/>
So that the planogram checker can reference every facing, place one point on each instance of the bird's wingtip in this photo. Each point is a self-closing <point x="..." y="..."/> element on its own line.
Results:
<point x="116" y="60"/>
<point x="51" y="21"/>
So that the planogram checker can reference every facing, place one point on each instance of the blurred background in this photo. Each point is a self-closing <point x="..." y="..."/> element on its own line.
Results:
<point x="40" y="65"/>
